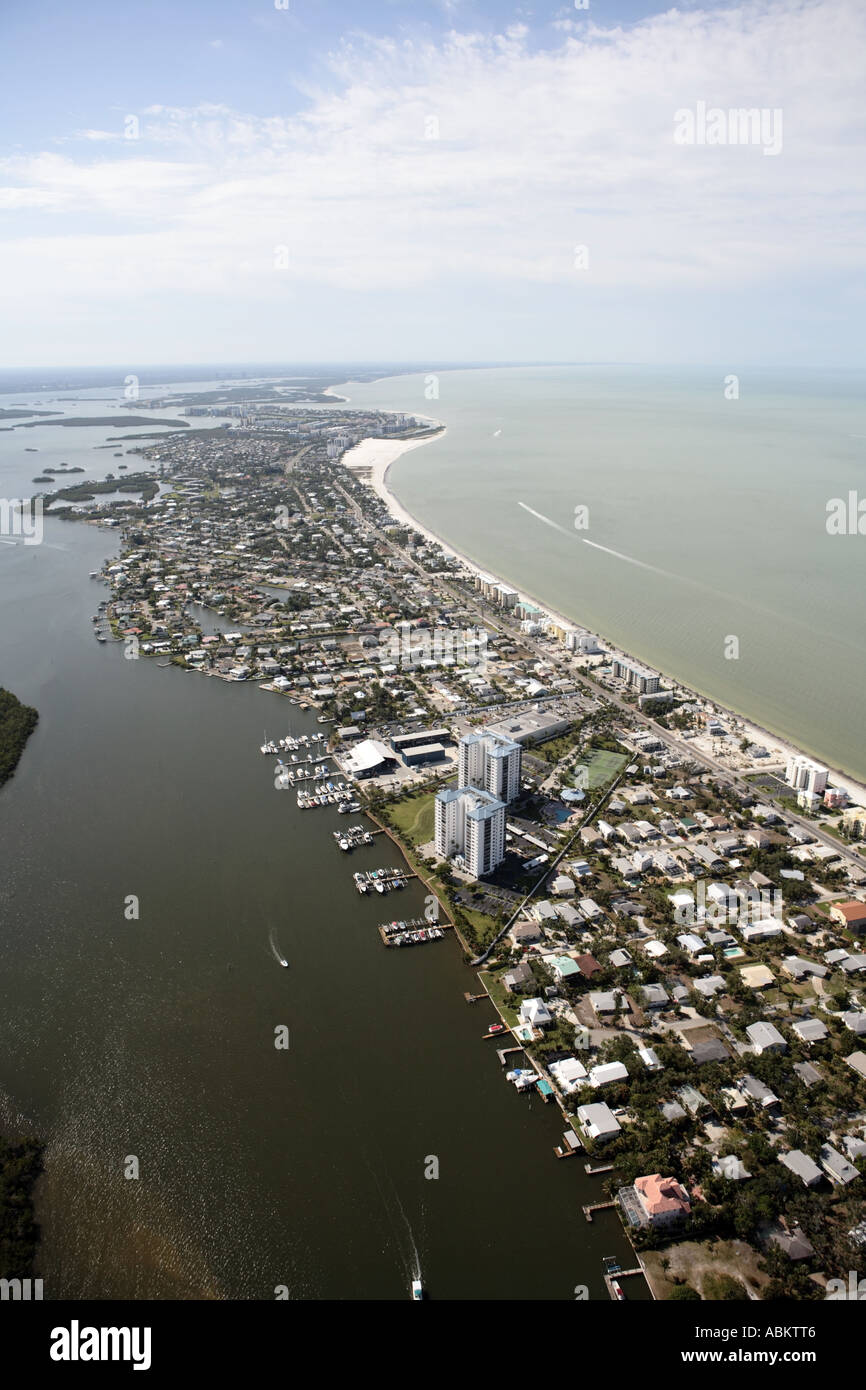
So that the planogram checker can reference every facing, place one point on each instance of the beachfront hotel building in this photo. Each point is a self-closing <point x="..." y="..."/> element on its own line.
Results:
<point x="641" y="678"/>
<point x="490" y="762"/>
<point x="806" y="775"/>
<point x="495" y="591"/>
<point x="471" y="823"/>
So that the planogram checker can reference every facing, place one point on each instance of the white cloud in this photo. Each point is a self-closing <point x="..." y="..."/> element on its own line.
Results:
<point x="537" y="152"/>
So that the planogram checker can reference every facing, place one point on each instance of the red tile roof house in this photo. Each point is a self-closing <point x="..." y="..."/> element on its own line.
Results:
<point x="851" y="915"/>
<point x="656" y="1201"/>
<point x="588" y="966"/>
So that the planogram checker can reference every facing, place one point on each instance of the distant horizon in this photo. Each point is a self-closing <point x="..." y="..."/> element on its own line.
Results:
<point x="406" y="365"/>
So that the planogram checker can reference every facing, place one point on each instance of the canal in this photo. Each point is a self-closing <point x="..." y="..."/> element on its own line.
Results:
<point x="148" y="863"/>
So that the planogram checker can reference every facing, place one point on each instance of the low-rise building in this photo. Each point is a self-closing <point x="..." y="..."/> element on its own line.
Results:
<point x="836" y="1166"/>
<point x="802" y="1167"/>
<point x="851" y="915"/>
<point x="656" y="1201"/>
<point x="765" y="1037"/>
<point x="598" y="1122"/>
<point x="607" y="1072"/>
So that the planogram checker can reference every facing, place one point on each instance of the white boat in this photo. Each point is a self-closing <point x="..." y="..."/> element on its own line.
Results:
<point x="284" y="963"/>
<point x="417" y="1291"/>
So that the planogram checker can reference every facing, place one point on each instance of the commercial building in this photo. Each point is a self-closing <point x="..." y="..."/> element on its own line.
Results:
<point x="401" y="742"/>
<point x="370" y="758"/>
<point x="423" y="753"/>
<point x="470" y="822"/>
<point x="491" y="763"/>
<point x="530" y="726"/>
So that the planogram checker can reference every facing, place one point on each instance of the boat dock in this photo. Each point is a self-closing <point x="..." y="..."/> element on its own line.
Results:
<point x="570" y="1145"/>
<point x="504" y="1052"/>
<point x="590" y="1211"/>
<point x="605" y="1168"/>
<point x="614" y="1277"/>
<point x="352" y="837"/>
<point x="410" y="924"/>
<point x="382" y="880"/>
<point x="473" y="998"/>
<point x="330" y="794"/>
<point x="417" y="937"/>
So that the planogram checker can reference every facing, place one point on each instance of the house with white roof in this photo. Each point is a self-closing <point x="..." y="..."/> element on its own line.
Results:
<point x="535" y="1012"/>
<point x="607" y="1072"/>
<point x="569" y="1074"/>
<point x="598" y="1122"/>
<point x="765" y="1037"/>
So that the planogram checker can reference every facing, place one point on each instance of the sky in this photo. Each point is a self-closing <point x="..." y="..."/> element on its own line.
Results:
<point x="432" y="180"/>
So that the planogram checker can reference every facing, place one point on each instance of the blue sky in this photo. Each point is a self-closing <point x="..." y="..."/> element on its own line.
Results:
<point x="414" y="179"/>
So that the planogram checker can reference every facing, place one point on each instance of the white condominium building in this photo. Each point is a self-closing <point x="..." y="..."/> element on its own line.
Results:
<point x="645" y="681"/>
<point x="491" y="763"/>
<point x="806" y="775"/>
<point x="471" y="823"/>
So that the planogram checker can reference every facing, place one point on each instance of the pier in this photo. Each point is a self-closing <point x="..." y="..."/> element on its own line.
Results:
<point x="605" y="1168"/>
<point x="610" y="1279"/>
<point x="382" y="880"/>
<point x="419" y="937"/>
<point x="570" y="1145"/>
<point x="590" y="1211"/>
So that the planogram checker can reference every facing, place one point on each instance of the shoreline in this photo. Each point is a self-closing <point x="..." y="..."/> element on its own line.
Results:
<point x="375" y="457"/>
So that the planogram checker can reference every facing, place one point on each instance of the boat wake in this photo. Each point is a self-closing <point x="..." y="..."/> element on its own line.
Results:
<point x="403" y="1234"/>
<point x="275" y="950"/>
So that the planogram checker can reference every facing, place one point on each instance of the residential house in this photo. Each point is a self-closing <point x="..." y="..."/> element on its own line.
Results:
<point x="656" y="1201"/>
<point x="765" y="1037"/>
<point x="836" y="1166"/>
<point x="851" y="915"/>
<point x="758" y="1093"/>
<point x="520" y="978"/>
<point x="536" y="1013"/>
<point x="810" y="1030"/>
<point x="607" y="1072"/>
<point x="598" y="1122"/>
<point x="802" y="1167"/>
<point x="569" y="1074"/>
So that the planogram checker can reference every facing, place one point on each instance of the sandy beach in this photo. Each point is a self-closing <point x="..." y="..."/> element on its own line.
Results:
<point x="372" y="460"/>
